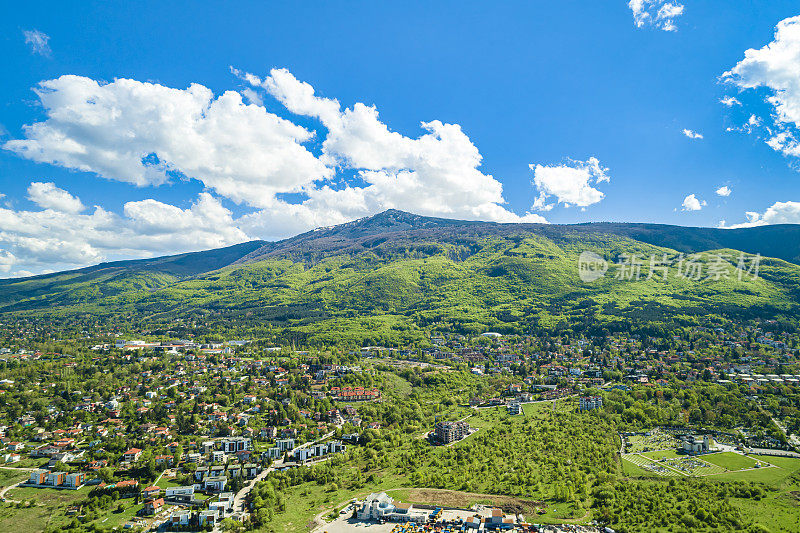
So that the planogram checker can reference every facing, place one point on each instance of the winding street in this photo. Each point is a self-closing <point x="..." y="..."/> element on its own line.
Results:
<point x="239" y="500"/>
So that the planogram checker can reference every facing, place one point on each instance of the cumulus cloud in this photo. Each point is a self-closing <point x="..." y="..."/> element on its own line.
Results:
<point x="692" y="134"/>
<point x="692" y="203"/>
<point x="775" y="69"/>
<point x="777" y="213"/>
<point x="147" y="134"/>
<point x="435" y="173"/>
<point x="38" y="42"/>
<point x="657" y="13"/>
<point x="48" y="196"/>
<point x="570" y="184"/>
<point x="142" y="133"/>
<point x="55" y="239"/>
<point x="724" y="191"/>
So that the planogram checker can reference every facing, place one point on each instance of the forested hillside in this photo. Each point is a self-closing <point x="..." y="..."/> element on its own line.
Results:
<point x="390" y="278"/>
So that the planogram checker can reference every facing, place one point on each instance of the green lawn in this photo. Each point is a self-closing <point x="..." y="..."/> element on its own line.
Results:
<point x="778" y="478"/>
<point x="730" y="460"/>
<point x="669" y="454"/>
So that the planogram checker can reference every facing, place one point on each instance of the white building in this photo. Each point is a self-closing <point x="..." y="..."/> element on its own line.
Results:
<point x="380" y="506"/>
<point x="587" y="403"/>
<point x="693" y="445"/>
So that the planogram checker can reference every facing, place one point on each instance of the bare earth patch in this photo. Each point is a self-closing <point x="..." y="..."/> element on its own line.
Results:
<point x="464" y="500"/>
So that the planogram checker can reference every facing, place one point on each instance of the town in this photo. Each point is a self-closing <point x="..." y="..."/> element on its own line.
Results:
<point x="176" y="434"/>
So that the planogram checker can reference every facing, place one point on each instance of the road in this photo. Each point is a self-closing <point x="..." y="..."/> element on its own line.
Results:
<point x="239" y="500"/>
<point x="15" y="485"/>
<point x="793" y="440"/>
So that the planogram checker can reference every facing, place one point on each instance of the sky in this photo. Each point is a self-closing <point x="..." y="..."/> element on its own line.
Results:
<point x="141" y="129"/>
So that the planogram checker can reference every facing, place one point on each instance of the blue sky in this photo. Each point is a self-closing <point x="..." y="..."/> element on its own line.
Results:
<point x="577" y="109"/>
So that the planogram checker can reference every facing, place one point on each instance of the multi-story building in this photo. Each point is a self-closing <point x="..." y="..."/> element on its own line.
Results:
<point x="447" y="432"/>
<point x="587" y="403"/>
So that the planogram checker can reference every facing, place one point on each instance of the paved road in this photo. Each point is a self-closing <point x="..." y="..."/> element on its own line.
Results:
<point x="239" y="509"/>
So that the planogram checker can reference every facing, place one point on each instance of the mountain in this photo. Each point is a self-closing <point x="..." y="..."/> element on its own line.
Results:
<point x="118" y="276"/>
<point x="392" y="277"/>
<point x="781" y="241"/>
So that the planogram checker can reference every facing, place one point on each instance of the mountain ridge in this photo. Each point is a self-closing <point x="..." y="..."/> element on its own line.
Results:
<point x="343" y="237"/>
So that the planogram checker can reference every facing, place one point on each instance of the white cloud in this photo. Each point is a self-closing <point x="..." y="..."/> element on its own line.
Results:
<point x="775" y="68"/>
<point x="729" y="101"/>
<point x="148" y="134"/>
<point x="691" y="203"/>
<point x="48" y="196"/>
<point x="139" y="132"/>
<point x="777" y="213"/>
<point x="37" y="241"/>
<point x="38" y="41"/>
<point x="658" y="13"/>
<point x="724" y="191"/>
<point x="433" y="174"/>
<point x="570" y="184"/>
<point x="692" y="134"/>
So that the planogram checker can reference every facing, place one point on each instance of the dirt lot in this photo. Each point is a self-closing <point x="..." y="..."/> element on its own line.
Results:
<point x="464" y="500"/>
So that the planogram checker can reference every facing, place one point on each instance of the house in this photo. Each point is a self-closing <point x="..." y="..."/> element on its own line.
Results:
<point x="180" y="518"/>
<point x="183" y="494"/>
<point x="209" y="516"/>
<point x="132" y="455"/>
<point x="251" y="470"/>
<point x="514" y="408"/>
<point x="201" y="473"/>
<point x="224" y="503"/>
<point x="97" y="465"/>
<point x="151" y="492"/>
<point x="151" y="507"/>
<point x="164" y="460"/>
<point x="129" y="485"/>
<point x="215" y="483"/>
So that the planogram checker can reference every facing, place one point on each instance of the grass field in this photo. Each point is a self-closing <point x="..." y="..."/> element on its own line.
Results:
<point x="9" y="477"/>
<point x="645" y="443"/>
<point x="730" y="461"/>
<point x="48" y="508"/>
<point x="673" y="463"/>
<point x="663" y="454"/>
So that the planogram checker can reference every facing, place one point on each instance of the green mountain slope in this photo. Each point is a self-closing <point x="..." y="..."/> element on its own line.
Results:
<point x="90" y="283"/>
<point x="388" y="278"/>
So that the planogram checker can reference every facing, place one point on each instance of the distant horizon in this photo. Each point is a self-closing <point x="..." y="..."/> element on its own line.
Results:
<point x="140" y="138"/>
<point x="311" y="231"/>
